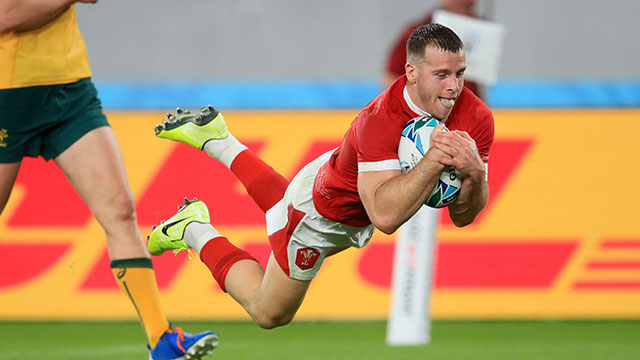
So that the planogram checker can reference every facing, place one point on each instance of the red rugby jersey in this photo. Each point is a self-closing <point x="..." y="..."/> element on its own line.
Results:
<point x="371" y="144"/>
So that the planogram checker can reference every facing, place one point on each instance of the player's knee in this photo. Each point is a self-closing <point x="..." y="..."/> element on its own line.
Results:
<point x="121" y="208"/>
<point x="273" y="320"/>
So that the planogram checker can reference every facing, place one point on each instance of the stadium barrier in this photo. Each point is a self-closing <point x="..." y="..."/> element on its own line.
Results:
<point x="354" y="94"/>
<point x="559" y="238"/>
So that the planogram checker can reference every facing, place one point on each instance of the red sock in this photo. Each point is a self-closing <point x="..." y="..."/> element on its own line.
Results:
<point x="263" y="184"/>
<point x="219" y="255"/>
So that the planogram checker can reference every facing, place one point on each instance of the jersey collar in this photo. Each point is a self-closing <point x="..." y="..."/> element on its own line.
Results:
<point x="412" y="105"/>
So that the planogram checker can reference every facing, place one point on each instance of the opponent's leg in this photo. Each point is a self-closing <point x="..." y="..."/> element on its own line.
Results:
<point x="94" y="166"/>
<point x="208" y="131"/>
<point x="8" y="174"/>
<point x="271" y="298"/>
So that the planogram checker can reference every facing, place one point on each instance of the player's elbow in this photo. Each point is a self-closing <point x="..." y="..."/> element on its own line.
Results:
<point x="387" y="230"/>
<point x="386" y="223"/>
<point x="460" y="222"/>
<point x="463" y="219"/>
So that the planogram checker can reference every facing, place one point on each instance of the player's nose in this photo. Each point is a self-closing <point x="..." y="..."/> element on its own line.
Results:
<point x="453" y="84"/>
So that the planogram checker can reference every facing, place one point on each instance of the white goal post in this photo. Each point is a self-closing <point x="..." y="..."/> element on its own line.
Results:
<point x="409" y="320"/>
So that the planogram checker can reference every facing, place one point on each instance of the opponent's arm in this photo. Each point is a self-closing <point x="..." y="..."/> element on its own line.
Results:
<point x="463" y="154"/>
<point x="24" y="15"/>
<point x="391" y="198"/>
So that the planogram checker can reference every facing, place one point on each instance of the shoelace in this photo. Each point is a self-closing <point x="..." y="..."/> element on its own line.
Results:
<point x="178" y="251"/>
<point x="180" y="338"/>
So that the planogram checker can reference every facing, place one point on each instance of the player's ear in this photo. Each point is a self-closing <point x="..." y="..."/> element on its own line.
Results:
<point x="412" y="72"/>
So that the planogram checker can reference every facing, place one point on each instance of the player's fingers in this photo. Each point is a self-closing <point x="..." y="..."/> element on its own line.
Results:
<point x="446" y="160"/>
<point x="462" y="133"/>
<point x="465" y="137"/>
<point x="436" y="131"/>
<point x="460" y="136"/>
<point x="449" y="150"/>
<point x="450" y="139"/>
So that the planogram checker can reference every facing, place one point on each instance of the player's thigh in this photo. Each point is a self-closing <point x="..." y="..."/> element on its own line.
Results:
<point x="8" y="174"/>
<point x="94" y="166"/>
<point x="281" y="292"/>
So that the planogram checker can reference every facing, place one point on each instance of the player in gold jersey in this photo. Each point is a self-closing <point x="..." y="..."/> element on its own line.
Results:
<point x="49" y="107"/>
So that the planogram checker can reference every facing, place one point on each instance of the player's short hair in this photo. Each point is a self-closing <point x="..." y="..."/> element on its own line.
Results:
<point x="432" y="34"/>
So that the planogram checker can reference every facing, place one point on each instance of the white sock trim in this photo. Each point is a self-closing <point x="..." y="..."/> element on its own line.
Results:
<point x="198" y="234"/>
<point x="224" y="150"/>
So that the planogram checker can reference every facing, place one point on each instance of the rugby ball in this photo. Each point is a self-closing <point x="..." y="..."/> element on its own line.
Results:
<point x="414" y="143"/>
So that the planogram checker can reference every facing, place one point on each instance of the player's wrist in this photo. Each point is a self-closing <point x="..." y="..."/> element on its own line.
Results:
<point x="434" y="155"/>
<point x="477" y="175"/>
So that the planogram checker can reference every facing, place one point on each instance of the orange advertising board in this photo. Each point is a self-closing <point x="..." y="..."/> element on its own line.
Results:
<point x="560" y="237"/>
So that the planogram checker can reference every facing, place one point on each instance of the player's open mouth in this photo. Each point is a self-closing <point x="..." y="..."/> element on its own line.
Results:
<point x="447" y="102"/>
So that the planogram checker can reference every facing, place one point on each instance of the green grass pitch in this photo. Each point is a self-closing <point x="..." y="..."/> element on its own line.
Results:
<point x="477" y="340"/>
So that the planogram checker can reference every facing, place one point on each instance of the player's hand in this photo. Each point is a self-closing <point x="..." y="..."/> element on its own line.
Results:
<point x="436" y="130"/>
<point x="435" y="153"/>
<point x="462" y="152"/>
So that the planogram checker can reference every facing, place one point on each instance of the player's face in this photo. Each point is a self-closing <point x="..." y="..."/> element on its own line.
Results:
<point x="438" y="80"/>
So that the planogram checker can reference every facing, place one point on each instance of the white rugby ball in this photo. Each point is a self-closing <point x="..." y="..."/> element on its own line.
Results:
<point x="414" y="143"/>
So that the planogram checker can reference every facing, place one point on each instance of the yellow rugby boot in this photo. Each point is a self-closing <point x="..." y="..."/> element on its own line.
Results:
<point x="193" y="129"/>
<point x="169" y="235"/>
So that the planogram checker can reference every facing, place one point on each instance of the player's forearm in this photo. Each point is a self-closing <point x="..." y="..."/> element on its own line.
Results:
<point x="24" y="15"/>
<point x="399" y="198"/>
<point x="473" y="197"/>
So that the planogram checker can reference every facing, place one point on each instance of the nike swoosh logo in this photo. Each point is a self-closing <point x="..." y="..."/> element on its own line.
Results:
<point x="167" y="226"/>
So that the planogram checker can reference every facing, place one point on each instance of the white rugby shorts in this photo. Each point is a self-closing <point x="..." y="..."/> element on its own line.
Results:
<point x="300" y="237"/>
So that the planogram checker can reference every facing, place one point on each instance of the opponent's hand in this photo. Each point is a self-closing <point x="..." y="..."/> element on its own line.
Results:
<point x="461" y="150"/>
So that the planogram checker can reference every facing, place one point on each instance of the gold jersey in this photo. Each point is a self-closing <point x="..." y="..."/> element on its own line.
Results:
<point x="52" y="54"/>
